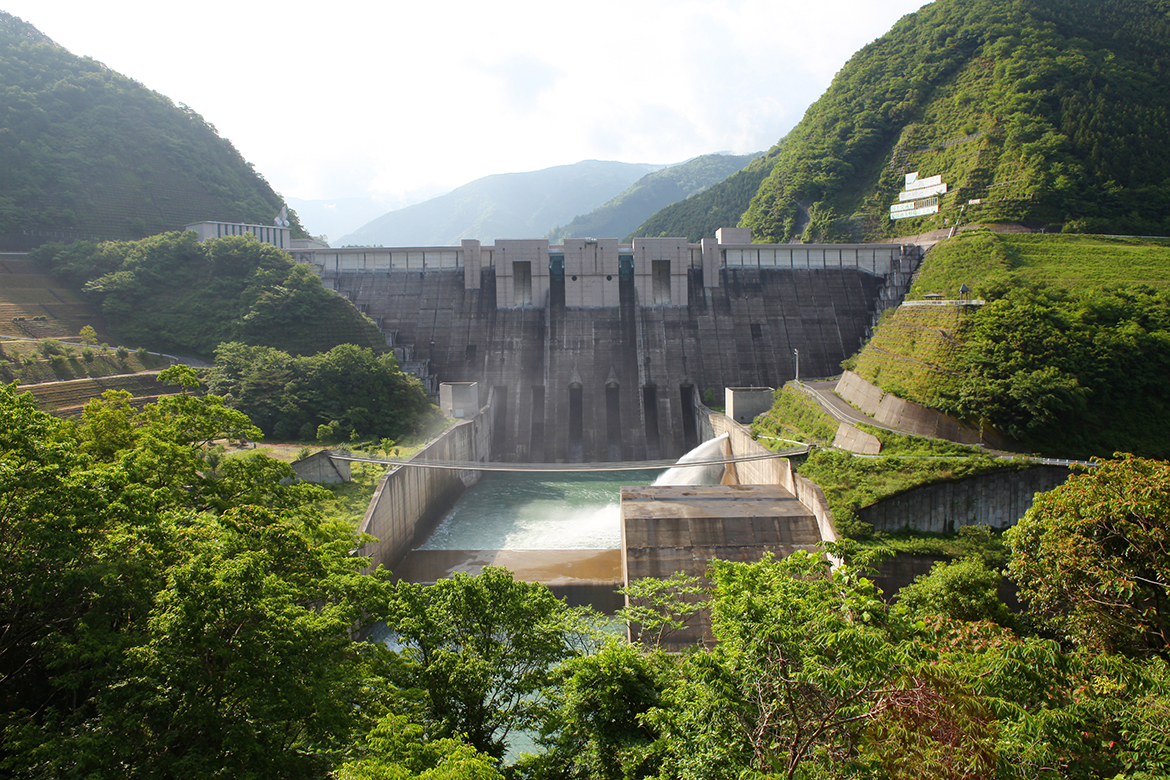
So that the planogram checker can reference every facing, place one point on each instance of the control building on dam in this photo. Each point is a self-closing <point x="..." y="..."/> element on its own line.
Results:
<point x="600" y="351"/>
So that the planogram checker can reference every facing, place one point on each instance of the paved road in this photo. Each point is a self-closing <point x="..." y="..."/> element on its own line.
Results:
<point x="841" y="411"/>
<point x="838" y="408"/>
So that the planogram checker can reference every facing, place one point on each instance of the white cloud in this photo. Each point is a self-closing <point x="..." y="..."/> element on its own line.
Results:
<point x="404" y="99"/>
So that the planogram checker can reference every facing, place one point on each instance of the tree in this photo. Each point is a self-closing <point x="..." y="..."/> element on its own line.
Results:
<point x="89" y="335"/>
<point x="802" y="656"/>
<point x="1092" y="557"/>
<point x="162" y="618"/>
<point x="480" y="649"/>
<point x="397" y="749"/>
<point x="595" y="727"/>
<point x="961" y="590"/>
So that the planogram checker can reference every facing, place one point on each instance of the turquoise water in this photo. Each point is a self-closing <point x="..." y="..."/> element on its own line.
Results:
<point x="535" y="511"/>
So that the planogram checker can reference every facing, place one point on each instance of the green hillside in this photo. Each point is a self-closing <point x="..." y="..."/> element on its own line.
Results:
<point x="88" y="153"/>
<point x="1048" y="112"/>
<point x="1069" y="354"/>
<point x="171" y="293"/>
<point x="619" y="216"/>
<point x="721" y="205"/>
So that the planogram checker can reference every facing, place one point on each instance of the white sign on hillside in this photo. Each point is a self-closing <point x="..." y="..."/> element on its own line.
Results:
<point x="919" y="198"/>
<point x="918" y="184"/>
<point x="925" y="192"/>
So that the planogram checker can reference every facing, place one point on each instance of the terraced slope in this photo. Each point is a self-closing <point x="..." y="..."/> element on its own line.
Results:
<point x="36" y="305"/>
<point x="914" y="352"/>
<point x="1070" y="262"/>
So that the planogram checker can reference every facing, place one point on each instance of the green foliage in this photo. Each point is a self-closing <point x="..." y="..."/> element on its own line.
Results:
<point x="960" y="590"/>
<point x="397" y="749"/>
<point x="1044" y="111"/>
<point x="341" y="394"/>
<point x="164" y="618"/>
<point x="1091" y="557"/>
<point x="480" y="648"/>
<point x="177" y="294"/>
<point x="795" y="416"/>
<point x="1063" y="357"/>
<point x="89" y="335"/>
<point x="699" y="216"/>
<point x="657" y="608"/>
<point x="851" y="482"/>
<point x="596" y="725"/>
<point x="1077" y="373"/>
<point x="993" y="261"/>
<point x="89" y="151"/>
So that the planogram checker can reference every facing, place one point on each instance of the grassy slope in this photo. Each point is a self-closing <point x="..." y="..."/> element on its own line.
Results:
<point x="925" y="354"/>
<point x="1069" y="261"/>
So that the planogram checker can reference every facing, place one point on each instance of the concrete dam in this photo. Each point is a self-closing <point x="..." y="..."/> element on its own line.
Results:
<point x="599" y="351"/>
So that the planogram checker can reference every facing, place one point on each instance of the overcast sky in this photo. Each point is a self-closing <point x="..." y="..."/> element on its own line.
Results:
<point x="409" y="99"/>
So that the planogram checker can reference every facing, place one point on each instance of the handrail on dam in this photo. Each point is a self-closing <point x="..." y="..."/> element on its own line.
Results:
<point x="640" y="465"/>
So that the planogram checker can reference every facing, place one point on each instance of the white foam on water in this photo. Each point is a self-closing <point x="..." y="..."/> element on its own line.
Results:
<point x="579" y="511"/>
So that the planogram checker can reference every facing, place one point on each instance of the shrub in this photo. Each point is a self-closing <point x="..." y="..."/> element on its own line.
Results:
<point x="122" y="352"/>
<point x="87" y="354"/>
<point x="52" y="347"/>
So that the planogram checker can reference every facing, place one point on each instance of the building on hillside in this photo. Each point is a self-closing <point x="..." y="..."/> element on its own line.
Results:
<point x="276" y="235"/>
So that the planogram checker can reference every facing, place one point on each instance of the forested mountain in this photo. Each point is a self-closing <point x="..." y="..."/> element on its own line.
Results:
<point x="699" y="216"/>
<point x="505" y="205"/>
<point x="1052" y="112"/>
<point x="619" y="216"/>
<point x="88" y="153"/>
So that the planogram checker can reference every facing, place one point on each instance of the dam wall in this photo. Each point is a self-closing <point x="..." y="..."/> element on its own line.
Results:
<point x="601" y="351"/>
<point x="410" y="500"/>
<point x="618" y="382"/>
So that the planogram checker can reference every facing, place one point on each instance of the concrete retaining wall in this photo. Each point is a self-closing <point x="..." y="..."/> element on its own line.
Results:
<point x="409" y="501"/>
<point x="851" y="438"/>
<point x="322" y="469"/>
<point x="913" y="418"/>
<point x="998" y="500"/>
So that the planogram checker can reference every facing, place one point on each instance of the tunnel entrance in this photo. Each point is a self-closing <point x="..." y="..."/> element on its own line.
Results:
<point x="661" y="272"/>
<point x="626" y="279"/>
<point x="556" y="281"/>
<point x="522" y="283"/>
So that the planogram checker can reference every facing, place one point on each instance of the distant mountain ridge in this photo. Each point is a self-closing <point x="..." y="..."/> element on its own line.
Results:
<point x="1049" y="112"/>
<point x="505" y="205"/>
<point x="621" y="215"/>
<point x="88" y="153"/>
